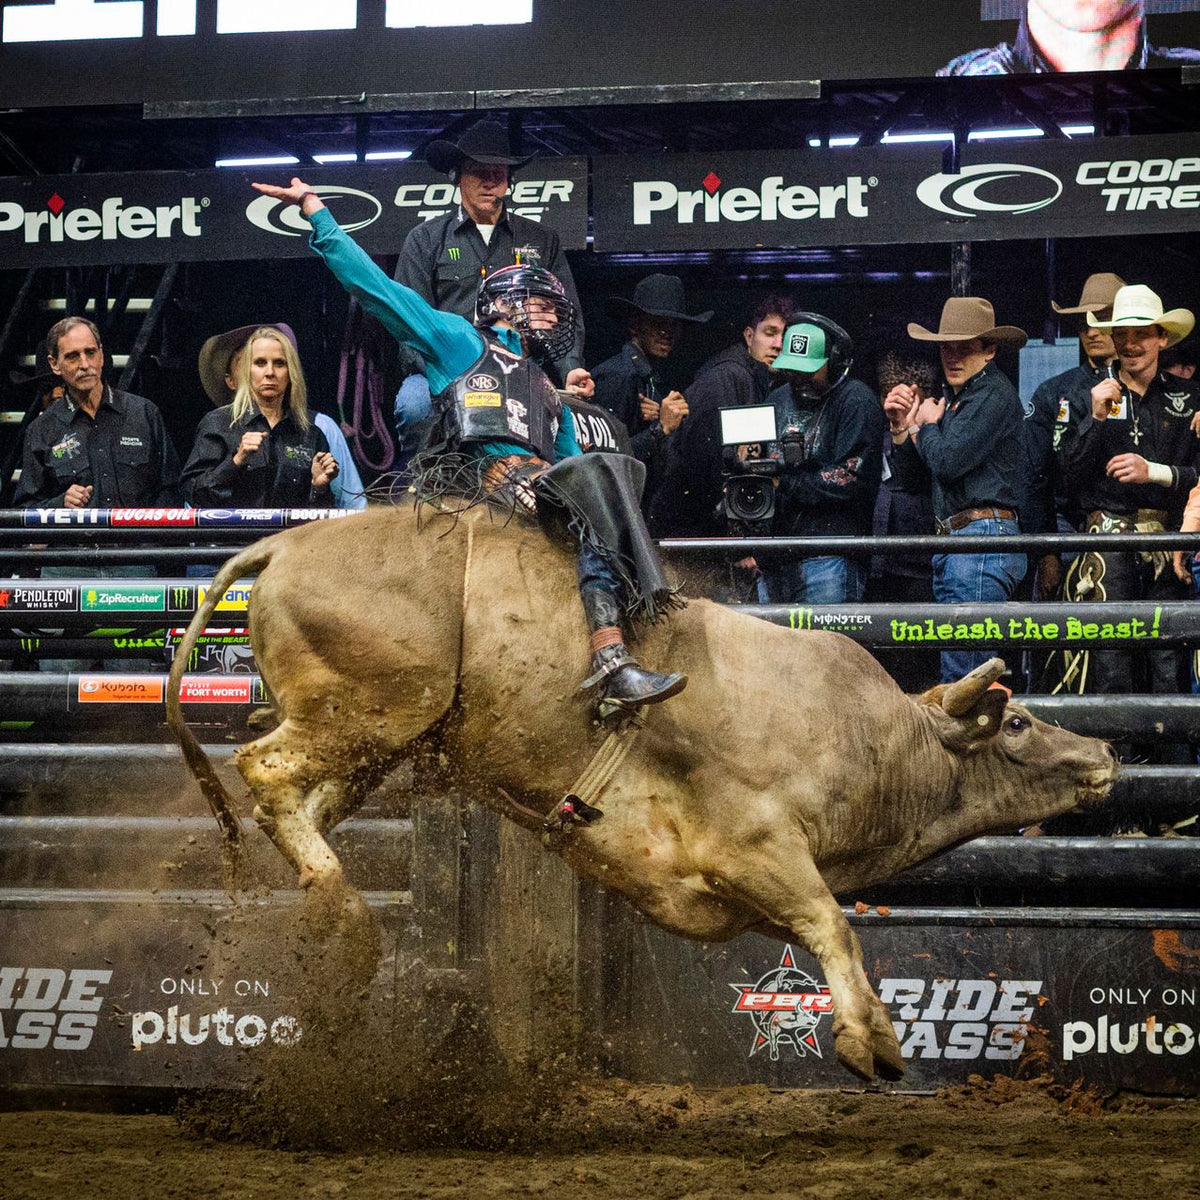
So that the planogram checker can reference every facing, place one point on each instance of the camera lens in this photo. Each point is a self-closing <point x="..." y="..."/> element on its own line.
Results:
<point x="750" y="498"/>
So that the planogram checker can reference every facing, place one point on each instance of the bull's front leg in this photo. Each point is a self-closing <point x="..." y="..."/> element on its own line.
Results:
<point x="778" y="877"/>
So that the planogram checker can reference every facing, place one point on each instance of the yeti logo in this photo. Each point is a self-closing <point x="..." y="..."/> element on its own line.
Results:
<point x="798" y="344"/>
<point x="786" y="1006"/>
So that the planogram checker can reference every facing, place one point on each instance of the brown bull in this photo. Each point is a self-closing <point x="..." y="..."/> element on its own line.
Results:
<point x="792" y="767"/>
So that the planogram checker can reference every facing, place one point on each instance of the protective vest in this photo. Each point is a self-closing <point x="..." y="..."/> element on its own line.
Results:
<point x="502" y="398"/>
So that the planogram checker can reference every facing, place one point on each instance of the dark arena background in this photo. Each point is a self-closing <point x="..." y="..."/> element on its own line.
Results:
<point x="525" y="1031"/>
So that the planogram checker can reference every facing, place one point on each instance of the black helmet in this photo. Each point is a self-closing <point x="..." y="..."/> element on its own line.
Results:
<point x="506" y="295"/>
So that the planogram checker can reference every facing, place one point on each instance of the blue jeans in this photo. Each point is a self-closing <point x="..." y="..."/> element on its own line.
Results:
<point x="412" y="409"/>
<point x="829" y="579"/>
<point x="975" y="579"/>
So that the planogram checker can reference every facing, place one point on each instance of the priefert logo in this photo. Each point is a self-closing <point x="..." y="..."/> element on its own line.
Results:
<point x="770" y="202"/>
<point x="113" y="220"/>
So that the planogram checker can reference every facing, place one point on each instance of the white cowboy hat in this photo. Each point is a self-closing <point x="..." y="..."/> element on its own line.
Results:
<point x="1136" y="306"/>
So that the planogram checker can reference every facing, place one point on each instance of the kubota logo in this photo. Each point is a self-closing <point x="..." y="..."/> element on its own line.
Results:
<point x="59" y="221"/>
<point x="988" y="188"/>
<point x="352" y="210"/>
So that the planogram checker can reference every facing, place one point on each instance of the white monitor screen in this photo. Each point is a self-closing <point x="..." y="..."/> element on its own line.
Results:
<point x="754" y="423"/>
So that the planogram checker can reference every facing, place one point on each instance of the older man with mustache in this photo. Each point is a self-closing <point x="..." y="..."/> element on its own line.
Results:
<point x="97" y="447"/>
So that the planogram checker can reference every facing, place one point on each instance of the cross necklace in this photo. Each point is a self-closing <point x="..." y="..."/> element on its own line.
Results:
<point x="1135" y="427"/>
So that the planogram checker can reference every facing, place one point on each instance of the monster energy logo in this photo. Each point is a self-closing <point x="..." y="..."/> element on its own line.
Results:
<point x="454" y="254"/>
<point x="807" y="618"/>
<point x="183" y="598"/>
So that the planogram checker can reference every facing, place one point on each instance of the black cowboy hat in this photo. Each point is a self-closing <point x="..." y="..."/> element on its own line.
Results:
<point x="486" y="142"/>
<point x="42" y="374"/>
<point x="657" y="296"/>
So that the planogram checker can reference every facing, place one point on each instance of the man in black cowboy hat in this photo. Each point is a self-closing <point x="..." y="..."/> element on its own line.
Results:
<point x="443" y="260"/>
<point x="630" y="384"/>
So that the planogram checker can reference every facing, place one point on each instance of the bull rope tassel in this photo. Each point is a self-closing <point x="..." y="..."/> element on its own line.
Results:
<point x="578" y="806"/>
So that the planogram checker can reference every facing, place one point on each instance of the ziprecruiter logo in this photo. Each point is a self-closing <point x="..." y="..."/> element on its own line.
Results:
<point x="124" y="599"/>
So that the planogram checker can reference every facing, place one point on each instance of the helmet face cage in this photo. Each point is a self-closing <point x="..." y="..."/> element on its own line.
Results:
<point x="522" y="296"/>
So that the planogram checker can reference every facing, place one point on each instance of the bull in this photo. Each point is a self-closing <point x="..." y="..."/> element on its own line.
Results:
<point x="791" y="769"/>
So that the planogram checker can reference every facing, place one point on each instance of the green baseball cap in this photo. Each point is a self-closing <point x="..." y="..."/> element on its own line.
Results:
<point x="803" y="349"/>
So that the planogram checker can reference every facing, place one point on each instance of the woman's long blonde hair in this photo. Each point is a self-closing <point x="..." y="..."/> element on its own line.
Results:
<point x="295" y="398"/>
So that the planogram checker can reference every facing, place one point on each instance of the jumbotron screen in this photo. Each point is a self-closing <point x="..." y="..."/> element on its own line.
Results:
<point x="96" y="52"/>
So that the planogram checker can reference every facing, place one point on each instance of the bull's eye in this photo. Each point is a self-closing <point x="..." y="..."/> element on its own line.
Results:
<point x="1016" y="724"/>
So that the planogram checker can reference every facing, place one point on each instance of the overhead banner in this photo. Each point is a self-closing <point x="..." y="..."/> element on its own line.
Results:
<point x="196" y="216"/>
<point x="1095" y="187"/>
<point x="461" y="54"/>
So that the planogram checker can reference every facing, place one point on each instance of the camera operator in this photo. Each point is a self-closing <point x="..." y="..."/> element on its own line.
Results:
<point x="828" y="453"/>
<point x="688" y="500"/>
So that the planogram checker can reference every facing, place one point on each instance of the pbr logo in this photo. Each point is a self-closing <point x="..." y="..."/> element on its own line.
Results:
<point x="786" y="1006"/>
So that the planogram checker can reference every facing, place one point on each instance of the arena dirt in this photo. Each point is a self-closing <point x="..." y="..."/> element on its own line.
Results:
<point x="609" y="1139"/>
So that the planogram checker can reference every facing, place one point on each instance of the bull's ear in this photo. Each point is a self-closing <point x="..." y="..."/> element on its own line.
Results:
<point x="968" y="713"/>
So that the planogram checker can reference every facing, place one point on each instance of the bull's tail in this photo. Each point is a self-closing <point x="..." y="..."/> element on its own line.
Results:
<point x="247" y="562"/>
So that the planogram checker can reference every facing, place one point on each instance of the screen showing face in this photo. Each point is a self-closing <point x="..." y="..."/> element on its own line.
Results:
<point x="93" y="52"/>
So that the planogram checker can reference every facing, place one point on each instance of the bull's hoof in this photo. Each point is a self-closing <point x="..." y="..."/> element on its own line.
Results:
<point x="855" y="1055"/>
<point x="889" y="1062"/>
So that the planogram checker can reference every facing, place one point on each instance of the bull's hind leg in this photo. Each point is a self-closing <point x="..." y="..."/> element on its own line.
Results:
<point x="778" y="877"/>
<point x="302" y="790"/>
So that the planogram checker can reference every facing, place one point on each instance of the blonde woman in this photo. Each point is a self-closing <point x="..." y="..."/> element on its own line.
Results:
<point x="262" y="451"/>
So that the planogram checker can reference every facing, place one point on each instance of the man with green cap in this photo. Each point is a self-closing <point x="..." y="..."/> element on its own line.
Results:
<point x="829" y="450"/>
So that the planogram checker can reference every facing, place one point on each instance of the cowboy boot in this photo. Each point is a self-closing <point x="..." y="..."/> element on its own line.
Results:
<point x="624" y="685"/>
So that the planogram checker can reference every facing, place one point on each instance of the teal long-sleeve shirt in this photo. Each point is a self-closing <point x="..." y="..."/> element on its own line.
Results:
<point x="448" y="343"/>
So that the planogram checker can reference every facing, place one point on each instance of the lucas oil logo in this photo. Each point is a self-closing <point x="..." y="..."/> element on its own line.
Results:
<point x="785" y="1006"/>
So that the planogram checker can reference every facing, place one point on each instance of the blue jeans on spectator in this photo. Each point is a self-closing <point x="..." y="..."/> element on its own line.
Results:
<point x="975" y="579"/>
<point x="830" y="579"/>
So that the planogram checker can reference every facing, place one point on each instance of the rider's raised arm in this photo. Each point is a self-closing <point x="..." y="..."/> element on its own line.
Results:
<point x="447" y="342"/>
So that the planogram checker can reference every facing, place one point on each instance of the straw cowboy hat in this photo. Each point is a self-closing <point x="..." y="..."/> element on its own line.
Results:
<point x="658" y="296"/>
<point x="217" y="353"/>
<point x="486" y="142"/>
<point x="1098" y="293"/>
<point x="1136" y="306"/>
<point x="967" y="317"/>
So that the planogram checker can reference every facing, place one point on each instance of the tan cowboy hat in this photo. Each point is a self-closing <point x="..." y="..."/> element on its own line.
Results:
<point x="217" y="353"/>
<point x="1098" y="293"/>
<point x="967" y="317"/>
<point x="1136" y="306"/>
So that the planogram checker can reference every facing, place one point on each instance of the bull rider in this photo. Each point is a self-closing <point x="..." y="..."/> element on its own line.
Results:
<point x="499" y="415"/>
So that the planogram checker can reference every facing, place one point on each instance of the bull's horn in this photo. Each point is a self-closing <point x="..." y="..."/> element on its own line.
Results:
<point x="959" y="698"/>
